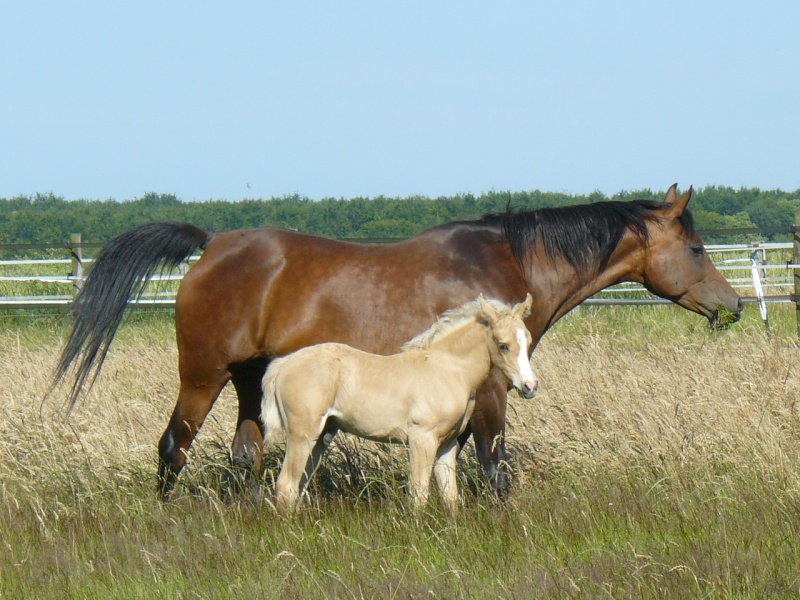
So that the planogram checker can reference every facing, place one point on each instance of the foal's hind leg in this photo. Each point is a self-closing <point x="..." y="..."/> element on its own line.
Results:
<point x="291" y="478"/>
<point x="302" y="459"/>
<point x="317" y="452"/>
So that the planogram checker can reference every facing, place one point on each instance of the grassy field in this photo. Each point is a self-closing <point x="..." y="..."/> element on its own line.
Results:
<point x="660" y="460"/>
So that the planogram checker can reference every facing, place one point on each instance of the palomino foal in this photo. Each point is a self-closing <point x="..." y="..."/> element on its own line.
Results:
<point x="422" y="397"/>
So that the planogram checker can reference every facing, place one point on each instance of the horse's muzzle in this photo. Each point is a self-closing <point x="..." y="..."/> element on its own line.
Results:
<point x="723" y="318"/>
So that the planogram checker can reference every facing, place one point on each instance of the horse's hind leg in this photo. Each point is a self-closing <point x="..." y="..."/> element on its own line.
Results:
<point x="190" y="412"/>
<point x="248" y="443"/>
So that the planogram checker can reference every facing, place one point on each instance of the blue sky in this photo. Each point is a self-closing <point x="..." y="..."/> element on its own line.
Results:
<point x="212" y="100"/>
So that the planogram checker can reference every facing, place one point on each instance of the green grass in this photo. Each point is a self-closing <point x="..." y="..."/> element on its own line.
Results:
<point x="578" y="535"/>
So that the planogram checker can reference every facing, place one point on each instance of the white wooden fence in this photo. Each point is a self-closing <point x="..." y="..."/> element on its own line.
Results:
<point x="754" y="270"/>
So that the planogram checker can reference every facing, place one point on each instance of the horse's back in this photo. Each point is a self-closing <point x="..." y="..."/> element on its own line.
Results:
<point x="268" y="292"/>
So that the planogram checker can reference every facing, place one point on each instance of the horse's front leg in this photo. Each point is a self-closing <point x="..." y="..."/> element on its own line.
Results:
<point x="488" y="428"/>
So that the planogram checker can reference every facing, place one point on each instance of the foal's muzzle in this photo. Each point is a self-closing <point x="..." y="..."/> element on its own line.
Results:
<point x="528" y="389"/>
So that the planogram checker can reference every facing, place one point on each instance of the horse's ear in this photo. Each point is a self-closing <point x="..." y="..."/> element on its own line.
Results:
<point x="523" y="309"/>
<point x="677" y="206"/>
<point x="487" y="309"/>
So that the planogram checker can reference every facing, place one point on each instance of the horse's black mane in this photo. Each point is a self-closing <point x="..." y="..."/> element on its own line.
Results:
<point x="584" y="235"/>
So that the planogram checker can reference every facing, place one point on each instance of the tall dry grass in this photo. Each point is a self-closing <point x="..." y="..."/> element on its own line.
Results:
<point x="659" y="459"/>
<point x="677" y="400"/>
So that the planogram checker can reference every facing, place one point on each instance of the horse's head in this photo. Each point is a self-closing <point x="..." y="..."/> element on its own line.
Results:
<point x="511" y="342"/>
<point x="677" y="267"/>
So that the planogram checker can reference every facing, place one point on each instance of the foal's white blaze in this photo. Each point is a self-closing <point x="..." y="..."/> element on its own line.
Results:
<point x="525" y="372"/>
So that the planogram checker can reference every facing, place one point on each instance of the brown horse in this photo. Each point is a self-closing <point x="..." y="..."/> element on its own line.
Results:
<point x="258" y="294"/>
<point x="422" y="397"/>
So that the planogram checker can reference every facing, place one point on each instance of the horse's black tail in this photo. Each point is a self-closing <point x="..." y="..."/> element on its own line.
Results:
<point x="119" y="272"/>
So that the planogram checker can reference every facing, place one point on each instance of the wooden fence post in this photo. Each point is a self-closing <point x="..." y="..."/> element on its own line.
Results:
<point x="796" y="261"/>
<point x="76" y="254"/>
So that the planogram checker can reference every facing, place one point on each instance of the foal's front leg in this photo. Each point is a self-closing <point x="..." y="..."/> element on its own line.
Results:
<point x="422" y="451"/>
<point x="444" y="469"/>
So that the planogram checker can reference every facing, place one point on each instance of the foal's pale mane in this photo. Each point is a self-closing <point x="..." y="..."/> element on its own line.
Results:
<point x="451" y="320"/>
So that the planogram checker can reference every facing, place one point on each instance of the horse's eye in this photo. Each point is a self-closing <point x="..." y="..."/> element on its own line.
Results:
<point x="503" y="347"/>
<point x="697" y="250"/>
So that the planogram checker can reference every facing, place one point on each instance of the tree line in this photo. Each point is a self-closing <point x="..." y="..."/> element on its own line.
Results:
<point x="49" y="219"/>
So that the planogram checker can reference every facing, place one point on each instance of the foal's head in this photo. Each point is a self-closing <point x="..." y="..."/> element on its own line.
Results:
<point x="511" y="342"/>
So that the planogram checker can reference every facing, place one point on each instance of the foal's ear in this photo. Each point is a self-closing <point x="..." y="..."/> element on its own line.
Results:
<point x="487" y="309"/>
<point x="677" y="206"/>
<point x="523" y="309"/>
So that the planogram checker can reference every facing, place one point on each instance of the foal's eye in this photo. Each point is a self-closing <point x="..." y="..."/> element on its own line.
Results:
<point x="503" y="347"/>
<point x="697" y="250"/>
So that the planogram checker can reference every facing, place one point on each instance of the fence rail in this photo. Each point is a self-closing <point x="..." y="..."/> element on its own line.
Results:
<point x="759" y="271"/>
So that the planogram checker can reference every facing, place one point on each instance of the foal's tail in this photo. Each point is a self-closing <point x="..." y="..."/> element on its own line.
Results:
<point x="271" y="415"/>
<point x="119" y="273"/>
